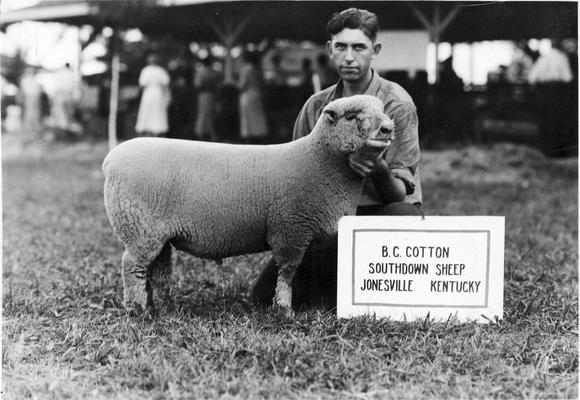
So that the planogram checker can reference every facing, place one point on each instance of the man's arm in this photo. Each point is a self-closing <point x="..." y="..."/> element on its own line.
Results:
<point x="393" y="174"/>
<point x="302" y="125"/>
<point x="389" y="188"/>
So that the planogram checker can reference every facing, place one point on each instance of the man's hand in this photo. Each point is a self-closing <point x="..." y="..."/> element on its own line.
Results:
<point x="367" y="164"/>
<point x="370" y="159"/>
<point x="370" y="162"/>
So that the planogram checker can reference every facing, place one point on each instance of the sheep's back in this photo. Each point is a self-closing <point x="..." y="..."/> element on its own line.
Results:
<point x="213" y="198"/>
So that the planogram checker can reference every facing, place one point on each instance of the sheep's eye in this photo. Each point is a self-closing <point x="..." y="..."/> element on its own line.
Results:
<point x="350" y="116"/>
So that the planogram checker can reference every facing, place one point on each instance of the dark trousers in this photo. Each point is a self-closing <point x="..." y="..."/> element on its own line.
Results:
<point x="315" y="280"/>
<point x="558" y="117"/>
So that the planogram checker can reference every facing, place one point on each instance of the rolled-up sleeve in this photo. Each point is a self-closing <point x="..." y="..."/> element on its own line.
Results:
<point x="403" y="155"/>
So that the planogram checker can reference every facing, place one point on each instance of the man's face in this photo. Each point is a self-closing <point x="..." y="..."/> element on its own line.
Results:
<point x="352" y="52"/>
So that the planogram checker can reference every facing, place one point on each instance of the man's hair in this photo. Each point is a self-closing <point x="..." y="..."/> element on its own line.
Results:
<point x="354" y="18"/>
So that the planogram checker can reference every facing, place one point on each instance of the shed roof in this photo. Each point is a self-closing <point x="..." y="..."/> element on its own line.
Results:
<point x="197" y="20"/>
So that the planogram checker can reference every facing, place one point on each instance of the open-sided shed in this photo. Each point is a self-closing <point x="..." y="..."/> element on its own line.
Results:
<point x="233" y="22"/>
<point x="304" y="20"/>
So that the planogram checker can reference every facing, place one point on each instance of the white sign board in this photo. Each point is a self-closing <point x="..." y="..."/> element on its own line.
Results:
<point x="407" y="267"/>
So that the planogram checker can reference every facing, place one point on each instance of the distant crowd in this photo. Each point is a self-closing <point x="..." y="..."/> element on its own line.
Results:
<point x="191" y="102"/>
<point x="258" y="101"/>
<point x="559" y="64"/>
<point x="35" y="111"/>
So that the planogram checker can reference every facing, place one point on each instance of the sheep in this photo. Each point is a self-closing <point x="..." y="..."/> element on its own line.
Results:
<point x="218" y="200"/>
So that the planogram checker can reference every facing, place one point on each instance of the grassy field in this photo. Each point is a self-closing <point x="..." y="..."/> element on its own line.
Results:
<point x="65" y="334"/>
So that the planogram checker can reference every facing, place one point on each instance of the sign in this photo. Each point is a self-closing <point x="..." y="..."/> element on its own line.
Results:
<point x="409" y="267"/>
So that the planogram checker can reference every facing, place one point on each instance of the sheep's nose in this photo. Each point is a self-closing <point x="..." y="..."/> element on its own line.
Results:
<point x="387" y="126"/>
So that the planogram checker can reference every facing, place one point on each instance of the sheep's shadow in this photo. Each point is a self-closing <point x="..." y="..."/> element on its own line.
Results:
<point x="203" y="292"/>
<point x="314" y="284"/>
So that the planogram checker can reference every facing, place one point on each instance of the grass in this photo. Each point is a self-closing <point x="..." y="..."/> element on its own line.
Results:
<point x="65" y="334"/>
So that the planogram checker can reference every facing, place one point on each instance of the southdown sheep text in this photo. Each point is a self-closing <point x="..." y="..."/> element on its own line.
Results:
<point x="216" y="200"/>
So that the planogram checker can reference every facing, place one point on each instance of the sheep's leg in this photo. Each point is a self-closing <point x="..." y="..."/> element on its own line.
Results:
<point x="284" y="290"/>
<point x="160" y="278"/>
<point x="288" y="260"/>
<point x="139" y="263"/>
<point x="135" y="287"/>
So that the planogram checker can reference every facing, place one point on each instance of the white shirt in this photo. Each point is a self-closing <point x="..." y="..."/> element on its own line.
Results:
<point x="551" y="67"/>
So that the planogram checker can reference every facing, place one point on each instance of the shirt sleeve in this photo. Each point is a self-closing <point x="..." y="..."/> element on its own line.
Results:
<point x="303" y="125"/>
<point x="403" y="155"/>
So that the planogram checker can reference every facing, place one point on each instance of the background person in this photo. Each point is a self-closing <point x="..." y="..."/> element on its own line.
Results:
<point x="152" y="116"/>
<point x="206" y="83"/>
<point x="253" y="125"/>
<point x="521" y="64"/>
<point x="276" y="76"/>
<point x="65" y="97"/>
<point x="557" y="113"/>
<point x="31" y="98"/>
<point x="325" y="75"/>
<point x="553" y="66"/>
<point x="181" y="109"/>
<point x="306" y="79"/>
<point x="391" y="182"/>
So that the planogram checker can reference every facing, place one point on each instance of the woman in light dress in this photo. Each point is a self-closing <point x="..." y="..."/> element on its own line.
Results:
<point x="253" y="125"/>
<point x="65" y="100"/>
<point x="152" y="118"/>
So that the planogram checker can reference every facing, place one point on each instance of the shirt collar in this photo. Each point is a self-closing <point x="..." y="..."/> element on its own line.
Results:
<point x="373" y="87"/>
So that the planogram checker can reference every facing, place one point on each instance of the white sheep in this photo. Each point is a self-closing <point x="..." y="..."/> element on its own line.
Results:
<point x="216" y="200"/>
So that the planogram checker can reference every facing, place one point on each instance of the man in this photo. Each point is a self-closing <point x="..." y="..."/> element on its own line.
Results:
<point x="553" y="66"/>
<point x="391" y="182"/>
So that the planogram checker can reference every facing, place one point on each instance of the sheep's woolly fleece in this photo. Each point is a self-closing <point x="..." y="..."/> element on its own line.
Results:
<point x="495" y="163"/>
<point x="217" y="200"/>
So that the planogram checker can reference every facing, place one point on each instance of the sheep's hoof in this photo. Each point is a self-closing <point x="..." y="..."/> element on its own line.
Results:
<point x="136" y="310"/>
<point x="165" y="307"/>
<point x="133" y="308"/>
<point x="286" y="312"/>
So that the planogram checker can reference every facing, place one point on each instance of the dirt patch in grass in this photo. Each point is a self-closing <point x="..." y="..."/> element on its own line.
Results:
<point x="65" y="334"/>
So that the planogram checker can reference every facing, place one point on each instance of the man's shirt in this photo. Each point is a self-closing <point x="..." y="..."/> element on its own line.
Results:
<point x="403" y="154"/>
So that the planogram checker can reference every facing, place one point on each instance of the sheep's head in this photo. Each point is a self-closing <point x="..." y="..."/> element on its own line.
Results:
<point x="356" y="123"/>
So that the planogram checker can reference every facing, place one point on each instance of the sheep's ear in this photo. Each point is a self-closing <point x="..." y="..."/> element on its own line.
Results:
<point x="330" y="115"/>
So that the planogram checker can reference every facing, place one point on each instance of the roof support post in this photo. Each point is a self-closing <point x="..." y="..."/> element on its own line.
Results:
<point x="79" y="60"/>
<point x="436" y="38"/>
<point x="114" y="91"/>
<point x="435" y="27"/>
<point x="229" y="40"/>
<point x="229" y="36"/>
